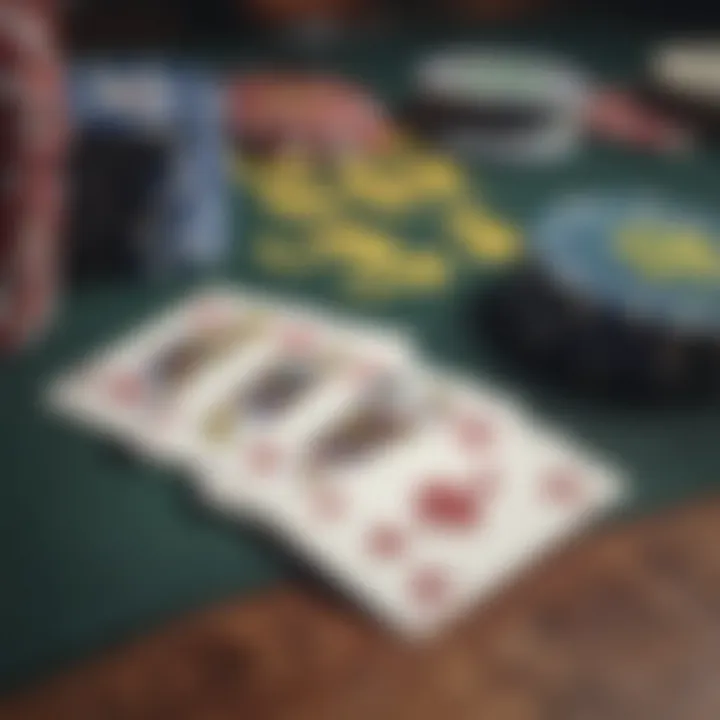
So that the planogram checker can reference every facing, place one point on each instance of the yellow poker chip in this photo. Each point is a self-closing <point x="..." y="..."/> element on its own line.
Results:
<point x="294" y="199"/>
<point x="423" y="269"/>
<point x="283" y="256"/>
<point x="485" y="237"/>
<point x="296" y="165"/>
<point x="411" y="272"/>
<point x="377" y="184"/>
<point x="438" y="177"/>
<point x="288" y="185"/>
<point x="353" y="243"/>
<point x="658" y="253"/>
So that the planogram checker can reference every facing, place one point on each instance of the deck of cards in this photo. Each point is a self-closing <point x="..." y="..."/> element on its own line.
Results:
<point x="416" y="492"/>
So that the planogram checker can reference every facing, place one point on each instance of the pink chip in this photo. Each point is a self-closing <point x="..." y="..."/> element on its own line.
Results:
<point x="429" y="586"/>
<point x="385" y="541"/>
<point x="617" y="114"/>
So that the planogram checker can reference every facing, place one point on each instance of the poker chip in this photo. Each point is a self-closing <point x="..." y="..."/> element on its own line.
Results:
<point x="499" y="104"/>
<point x="149" y="169"/>
<point x="268" y="112"/>
<point x="620" y="295"/>
<point x="683" y="79"/>
<point x="688" y="68"/>
<point x="622" y="116"/>
<point x="32" y="141"/>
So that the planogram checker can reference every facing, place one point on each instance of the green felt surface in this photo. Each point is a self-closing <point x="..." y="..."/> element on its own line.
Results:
<point x="95" y="547"/>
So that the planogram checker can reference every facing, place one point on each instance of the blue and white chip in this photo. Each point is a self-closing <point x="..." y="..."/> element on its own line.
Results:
<point x="183" y="107"/>
<point x="636" y="254"/>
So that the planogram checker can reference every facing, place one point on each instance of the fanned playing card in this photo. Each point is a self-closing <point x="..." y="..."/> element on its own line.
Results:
<point x="141" y="388"/>
<point x="416" y="491"/>
<point x="244" y="432"/>
<point x="425" y="496"/>
<point x="133" y="389"/>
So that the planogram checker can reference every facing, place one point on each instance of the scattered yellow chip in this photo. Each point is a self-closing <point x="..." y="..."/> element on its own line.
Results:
<point x="293" y="164"/>
<point x="369" y="287"/>
<point x="376" y="184"/>
<point x="485" y="237"/>
<point x="354" y="244"/>
<point x="295" y="199"/>
<point x="411" y="272"/>
<point x="438" y="177"/>
<point x="283" y="256"/>
<point x="423" y="269"/>
<point x="289" y="185"/>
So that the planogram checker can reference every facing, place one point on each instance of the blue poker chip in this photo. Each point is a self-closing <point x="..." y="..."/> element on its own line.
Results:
<point x="182" y="106"/>
<point x="635" y="254"/>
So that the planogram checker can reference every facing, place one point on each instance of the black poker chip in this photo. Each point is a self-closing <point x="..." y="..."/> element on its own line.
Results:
<point x="116" y="178"/>
<point x="617" y="299"/>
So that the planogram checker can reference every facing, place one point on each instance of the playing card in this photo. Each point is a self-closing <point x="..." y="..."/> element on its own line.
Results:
<point x="425" y="496"/>
<point x="134" y="388"/>
<point x="244" y="433"/>
<point x="142" y="387"/>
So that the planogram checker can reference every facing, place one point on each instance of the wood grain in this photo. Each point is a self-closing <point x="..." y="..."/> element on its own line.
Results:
<point x="625" y="624"/>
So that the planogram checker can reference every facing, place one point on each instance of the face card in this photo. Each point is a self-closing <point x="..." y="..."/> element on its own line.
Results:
<point x="135" y="386"/>
<point x="245" y="434"/>
<point x="424" y="497"/>
<point x="140" y="388"/>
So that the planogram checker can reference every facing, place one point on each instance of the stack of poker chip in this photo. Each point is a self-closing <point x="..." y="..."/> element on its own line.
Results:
<point x="499" y="104"/>
<point x="683" y="80"/>
<point x="322" y="116"/>
<point x="620" y="297"/>
<point x="32" y="142"/>
<point x="156" y="130"/>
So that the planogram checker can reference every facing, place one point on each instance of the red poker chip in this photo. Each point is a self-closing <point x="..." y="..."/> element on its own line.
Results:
<point x="320" y="114"/>
<point x="32" y="141"/>
<point x="617" y="115"/>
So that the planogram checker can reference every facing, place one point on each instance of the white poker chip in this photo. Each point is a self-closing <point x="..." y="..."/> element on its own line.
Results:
<point x="464" y="80"/>
<point x="688" y="68"/>
<point x="501" y="75"/>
